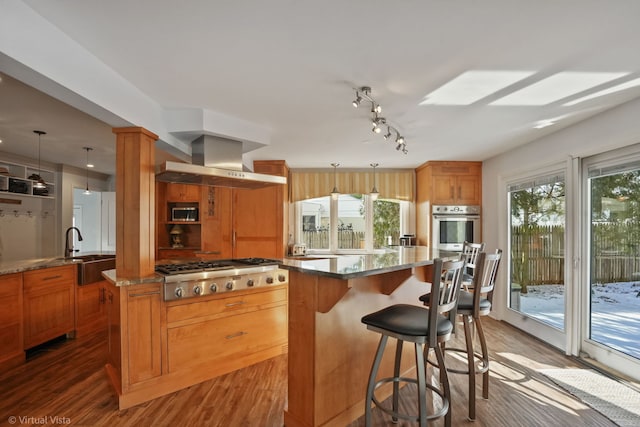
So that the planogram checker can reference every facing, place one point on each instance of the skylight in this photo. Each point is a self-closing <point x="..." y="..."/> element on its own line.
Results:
<point x="471" y="86"/>
<point x="617" y="88"/>
<point x="557" y="87"/>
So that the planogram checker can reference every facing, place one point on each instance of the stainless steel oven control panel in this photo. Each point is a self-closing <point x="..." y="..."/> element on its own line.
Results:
<point x="190" y="286"/>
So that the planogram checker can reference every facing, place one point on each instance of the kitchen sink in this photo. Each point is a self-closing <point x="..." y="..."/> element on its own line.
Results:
<point x="90" y="267"/>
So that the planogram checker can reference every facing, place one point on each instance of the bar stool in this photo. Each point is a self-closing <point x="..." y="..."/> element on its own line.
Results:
<point x="423" y="327"/>
<point x="470" y="252"/>
<point x="472" y="305"/>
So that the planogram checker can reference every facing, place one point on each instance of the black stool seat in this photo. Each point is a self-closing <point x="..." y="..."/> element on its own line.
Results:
<point x="405" y="319"/>
<point x="465" y="303"/>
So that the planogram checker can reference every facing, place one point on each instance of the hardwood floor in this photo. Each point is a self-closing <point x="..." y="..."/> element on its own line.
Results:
<point x="66" y="379"/>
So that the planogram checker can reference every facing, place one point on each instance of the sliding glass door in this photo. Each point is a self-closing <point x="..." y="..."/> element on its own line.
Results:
<point x="611" y="321"/>
<point x="536" y="256"/>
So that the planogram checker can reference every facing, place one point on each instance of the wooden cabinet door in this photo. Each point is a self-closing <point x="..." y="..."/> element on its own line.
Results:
<point x="468" y="190"/>
<point x="217" y="226"/>
<point x="91" y="314"/>
<point x="49" y="303"/>
<point x="257" y="223"/>
<point x="11" y="335"/>
<point x="183" y="193"/>
<point x="443" y="190"/>
<point x="143" y="332"/>
<point x="112" y="294"/>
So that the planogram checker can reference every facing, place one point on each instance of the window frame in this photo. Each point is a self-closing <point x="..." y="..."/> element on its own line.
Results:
<point x="407" y="211"/>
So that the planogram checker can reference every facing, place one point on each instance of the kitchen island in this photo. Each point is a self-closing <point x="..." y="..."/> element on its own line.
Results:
<point x="330" y="350"/>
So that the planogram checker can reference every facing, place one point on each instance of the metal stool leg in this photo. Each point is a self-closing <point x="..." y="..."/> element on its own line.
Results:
<point x="485" y="360"/>
<point x="396" y="374"/>
<point x="422" y="385"/>
<point x="471" y="366"/>
<point x="444" y="383"/>
<point x="372" y="380"/>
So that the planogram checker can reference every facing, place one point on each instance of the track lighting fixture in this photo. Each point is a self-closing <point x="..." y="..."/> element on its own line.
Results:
<point x="364" y="94"/>
<point x="335" y="193"/>
<point x="374" y="191"/>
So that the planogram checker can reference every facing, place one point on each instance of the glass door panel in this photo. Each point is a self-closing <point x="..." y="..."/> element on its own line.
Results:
<point x="614" y="231"/>
<point x="536" y="261"/>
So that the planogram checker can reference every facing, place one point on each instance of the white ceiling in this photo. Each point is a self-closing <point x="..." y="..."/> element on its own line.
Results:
<point x="291" y="66"/>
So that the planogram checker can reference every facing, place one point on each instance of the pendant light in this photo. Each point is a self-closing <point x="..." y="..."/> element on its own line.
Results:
<point x="40" y="184"/>
<point x="335" y="193"/>
<point x="89" y="165"/>
<point x="374" y="191"/>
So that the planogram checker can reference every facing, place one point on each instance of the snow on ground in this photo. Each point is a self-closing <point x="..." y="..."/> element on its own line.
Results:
<point x="615" y="312"/>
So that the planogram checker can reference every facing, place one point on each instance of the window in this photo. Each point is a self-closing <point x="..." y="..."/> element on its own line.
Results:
<point x="359" y="223"/>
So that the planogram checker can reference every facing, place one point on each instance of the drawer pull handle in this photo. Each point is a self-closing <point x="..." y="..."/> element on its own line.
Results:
<point x="52" y="277"/>
<point x="231" y="304"/>
<point x="144" y="294"/>
<point x="236" y="335"/>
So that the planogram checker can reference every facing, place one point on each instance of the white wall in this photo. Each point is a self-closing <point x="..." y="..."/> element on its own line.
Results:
<point x="615" y="128"/>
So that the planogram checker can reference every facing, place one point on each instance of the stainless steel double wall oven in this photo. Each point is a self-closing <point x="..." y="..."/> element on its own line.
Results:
<point x="452" y="225"/>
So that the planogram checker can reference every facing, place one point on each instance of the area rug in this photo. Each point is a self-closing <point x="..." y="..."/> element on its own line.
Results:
<point x="614" y="400"/>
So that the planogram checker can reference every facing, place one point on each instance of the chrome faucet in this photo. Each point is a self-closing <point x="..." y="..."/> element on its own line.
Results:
<point x="68" y="248"/>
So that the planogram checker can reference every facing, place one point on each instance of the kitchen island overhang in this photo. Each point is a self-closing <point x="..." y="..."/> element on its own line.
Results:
<point x="330" y="350"/>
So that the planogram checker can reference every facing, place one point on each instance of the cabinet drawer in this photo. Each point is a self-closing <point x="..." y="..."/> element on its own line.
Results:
<point x="65" y="274"/>
<point x="226" y="305"/>
<point x="226" y="338"/>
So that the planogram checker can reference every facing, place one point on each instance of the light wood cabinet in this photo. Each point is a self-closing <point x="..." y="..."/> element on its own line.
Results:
<point x="91" y="310"/>
<point x="49" y="303"/>
<point x="225" y="334"/>
<point x="143" y="349"/>
<point x="259" y="216"/>
<point x="183" y="193"/>
<point x="112" y="307"/>
<point x="11" y="334"/>
<point x="454" y="183"/>
<point x="445" y="183"/>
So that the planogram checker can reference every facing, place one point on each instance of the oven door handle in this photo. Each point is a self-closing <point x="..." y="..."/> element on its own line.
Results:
<point x="454" y="217"/>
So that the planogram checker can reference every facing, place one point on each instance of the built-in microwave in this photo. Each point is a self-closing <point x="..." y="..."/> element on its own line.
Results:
<point x="184" y="214"/>
<point x="453" y="225"/>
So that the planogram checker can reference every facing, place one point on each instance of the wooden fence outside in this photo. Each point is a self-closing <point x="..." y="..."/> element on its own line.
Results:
<point x="616" y="248"/>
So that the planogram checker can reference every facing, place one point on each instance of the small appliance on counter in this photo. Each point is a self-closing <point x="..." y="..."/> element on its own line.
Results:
<point x="408" y="240"/>
<point x="298" y="249"/>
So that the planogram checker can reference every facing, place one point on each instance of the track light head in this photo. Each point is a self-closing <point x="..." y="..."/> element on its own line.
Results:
<point x="400" y="139"/>
<point x="356" y="102"/>
<point x="388" y="134"/>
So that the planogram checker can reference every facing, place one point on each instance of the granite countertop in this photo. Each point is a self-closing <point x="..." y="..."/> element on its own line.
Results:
<point x="18" y="266"/>
<point x="351" y="266"/>
<point x="110" y="275"/>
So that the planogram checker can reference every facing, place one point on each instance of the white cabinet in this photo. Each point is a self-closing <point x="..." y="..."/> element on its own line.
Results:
<point x="19" y="179"/>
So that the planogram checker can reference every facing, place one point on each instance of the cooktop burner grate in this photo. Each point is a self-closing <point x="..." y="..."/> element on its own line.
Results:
<point x="192" y="267"/>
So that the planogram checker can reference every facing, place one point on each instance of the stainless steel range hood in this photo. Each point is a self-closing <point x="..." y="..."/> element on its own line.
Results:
<point x="216" y="162"/>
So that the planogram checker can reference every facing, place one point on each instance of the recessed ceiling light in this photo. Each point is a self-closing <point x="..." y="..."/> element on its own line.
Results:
<point x="471" y="86"/>
<point x="617" y="88"/>
<point x="89" y="165"/>
<point x="556" y="87"/>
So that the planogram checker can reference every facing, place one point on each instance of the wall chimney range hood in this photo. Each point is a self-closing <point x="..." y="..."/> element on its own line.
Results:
<point x="215" y="162"/>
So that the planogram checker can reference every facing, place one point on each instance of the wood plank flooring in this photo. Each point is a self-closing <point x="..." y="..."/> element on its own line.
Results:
<point x="66" y="379"/>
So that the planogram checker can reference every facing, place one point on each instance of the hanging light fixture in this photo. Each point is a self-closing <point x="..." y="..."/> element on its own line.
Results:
<point x="89" y="165"/>
<point x="364" y="94"/>
<point x="335" y="193"/>
<point x="40" y="184"/>
<point x="374" y="191"/>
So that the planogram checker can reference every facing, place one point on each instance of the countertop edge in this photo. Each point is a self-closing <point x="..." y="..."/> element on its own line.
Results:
<point x="110" y="275"/>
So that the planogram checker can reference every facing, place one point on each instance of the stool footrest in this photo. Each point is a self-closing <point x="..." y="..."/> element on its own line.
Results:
<point x="395" y="414"/>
